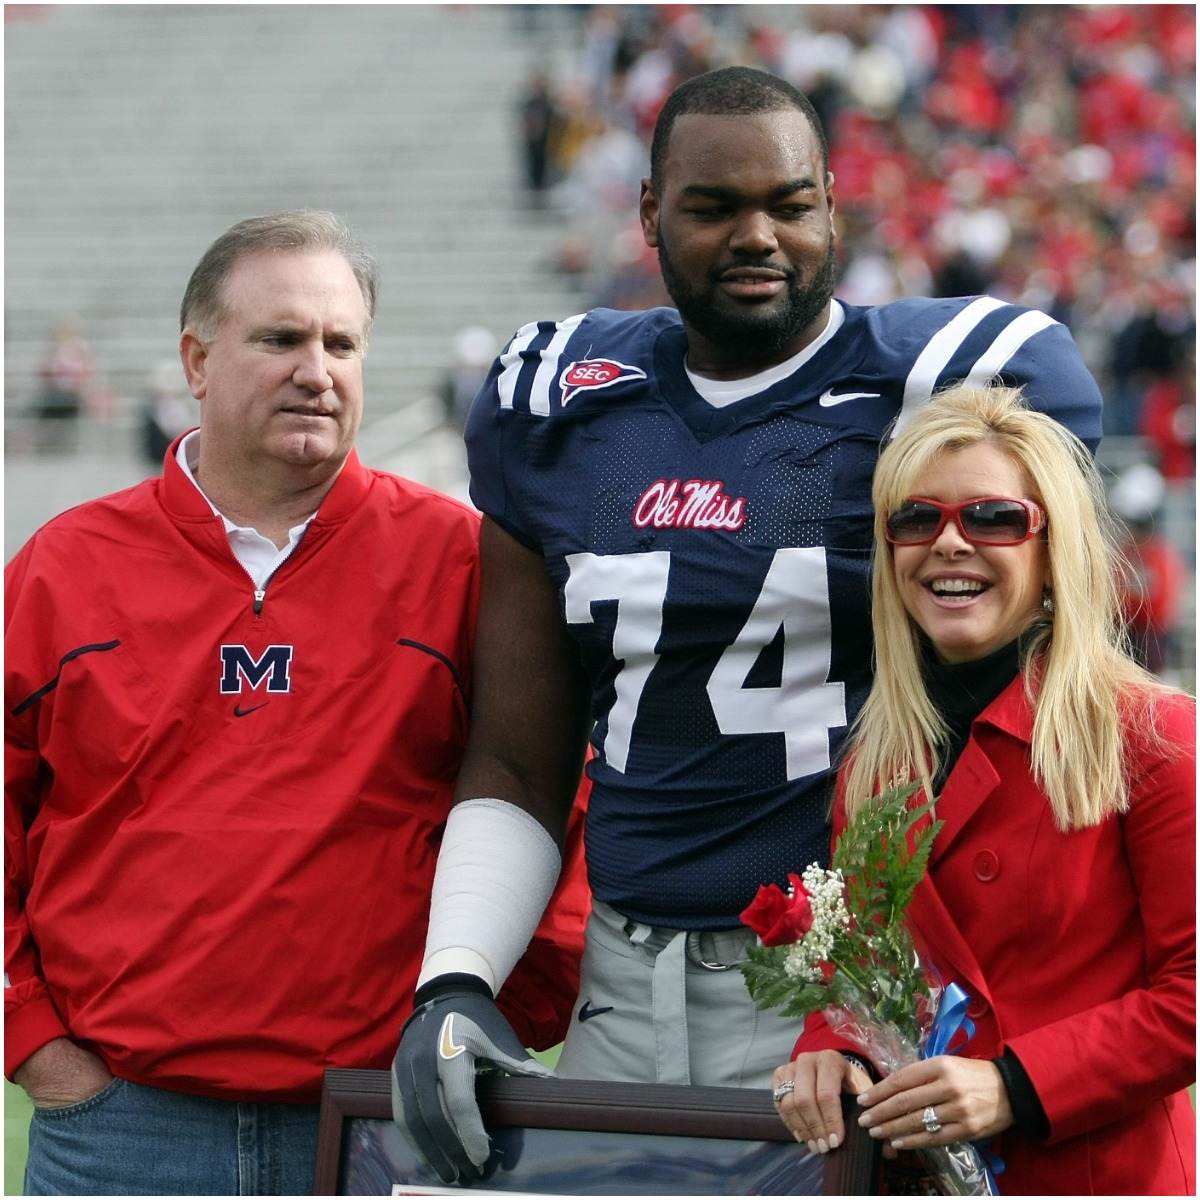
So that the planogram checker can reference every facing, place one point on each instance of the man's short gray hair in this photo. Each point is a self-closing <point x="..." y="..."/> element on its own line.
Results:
<point x="296" y="232"/>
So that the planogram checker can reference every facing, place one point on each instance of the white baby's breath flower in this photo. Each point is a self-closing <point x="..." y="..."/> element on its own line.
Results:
<point x="826" y="896"/>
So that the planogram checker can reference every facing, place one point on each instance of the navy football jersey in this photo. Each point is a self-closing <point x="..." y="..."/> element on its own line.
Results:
<point x="713" y="566"/>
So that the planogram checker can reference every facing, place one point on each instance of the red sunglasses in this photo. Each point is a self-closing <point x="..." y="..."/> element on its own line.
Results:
<point x="985" y="520"/>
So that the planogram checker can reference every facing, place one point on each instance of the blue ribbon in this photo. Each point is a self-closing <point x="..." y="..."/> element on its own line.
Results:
<point x="951" y="1016"/>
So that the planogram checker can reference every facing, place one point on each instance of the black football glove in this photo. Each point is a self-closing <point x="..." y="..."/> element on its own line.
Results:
<point x="455" y="1026"/>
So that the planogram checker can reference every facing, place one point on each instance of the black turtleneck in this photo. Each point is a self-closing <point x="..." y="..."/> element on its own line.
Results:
<point x="960" y="692"/>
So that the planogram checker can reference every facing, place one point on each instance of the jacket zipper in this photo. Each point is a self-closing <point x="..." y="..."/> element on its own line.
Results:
<point x="260" y="594"/>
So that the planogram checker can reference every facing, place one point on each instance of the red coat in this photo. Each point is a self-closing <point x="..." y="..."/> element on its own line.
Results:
<point x="1079" y="951"/>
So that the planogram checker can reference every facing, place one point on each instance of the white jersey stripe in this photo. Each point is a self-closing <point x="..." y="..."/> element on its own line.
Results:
<point x="939" y="350"/>
<point x="511" y="360"/>
<point x="1007" y="343"/>
<point x="547" y="372"/>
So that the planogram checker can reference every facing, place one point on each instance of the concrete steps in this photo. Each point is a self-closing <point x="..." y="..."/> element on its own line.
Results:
<point x="135" y="134"/>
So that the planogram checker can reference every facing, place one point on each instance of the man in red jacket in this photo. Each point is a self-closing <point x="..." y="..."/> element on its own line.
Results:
<point x="236" y="703"/>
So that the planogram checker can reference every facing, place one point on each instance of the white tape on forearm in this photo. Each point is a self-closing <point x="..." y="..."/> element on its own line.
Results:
<point x="495" y="875"/>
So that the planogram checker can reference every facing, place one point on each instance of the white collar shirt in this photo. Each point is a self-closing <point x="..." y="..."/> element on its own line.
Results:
<point x="259" y="556"/>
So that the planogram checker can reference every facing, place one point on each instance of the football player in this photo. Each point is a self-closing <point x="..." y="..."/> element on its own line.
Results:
<point x="676" y="560"/>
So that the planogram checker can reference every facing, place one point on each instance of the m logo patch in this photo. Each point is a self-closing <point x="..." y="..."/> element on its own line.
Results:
<point x="238" y="665"/>
<point x="594" y="373"/>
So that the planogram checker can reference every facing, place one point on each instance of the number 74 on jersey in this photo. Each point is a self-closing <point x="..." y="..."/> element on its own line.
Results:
<point x="794" y="596"/>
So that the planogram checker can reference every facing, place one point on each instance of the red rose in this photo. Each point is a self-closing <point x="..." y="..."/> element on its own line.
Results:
<point x="777" y="917"/>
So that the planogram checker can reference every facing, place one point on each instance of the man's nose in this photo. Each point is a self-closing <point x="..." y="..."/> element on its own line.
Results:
<point x="312" y="369"/>
<point x="754" y="233"/>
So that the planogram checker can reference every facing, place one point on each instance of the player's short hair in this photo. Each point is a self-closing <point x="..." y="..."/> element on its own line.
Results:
<point x="729" y="92"/>
<point x="290" y="232"/>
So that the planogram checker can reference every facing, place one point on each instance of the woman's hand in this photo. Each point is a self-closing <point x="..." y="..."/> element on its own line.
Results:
<point x="812" y="1110"/>
<point x="967" y="1095"/>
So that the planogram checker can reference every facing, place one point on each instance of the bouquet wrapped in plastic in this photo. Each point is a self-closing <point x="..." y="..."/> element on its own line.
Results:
<point x="836" y="942"/>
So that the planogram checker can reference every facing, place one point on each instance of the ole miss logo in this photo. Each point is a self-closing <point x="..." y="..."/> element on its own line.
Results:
<point x="593" y="373"/>
<point x="689" y="504"/>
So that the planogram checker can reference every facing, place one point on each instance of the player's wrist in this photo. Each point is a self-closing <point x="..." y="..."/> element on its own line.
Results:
<point x="457" y="960"/>
<point x="454" y="983"/>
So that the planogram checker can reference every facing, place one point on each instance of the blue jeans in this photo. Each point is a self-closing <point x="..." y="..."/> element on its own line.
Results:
<point x="132" y="1140"/>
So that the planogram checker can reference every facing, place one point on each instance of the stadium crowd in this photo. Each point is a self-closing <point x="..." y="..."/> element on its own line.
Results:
<point x="1045" y="155"/>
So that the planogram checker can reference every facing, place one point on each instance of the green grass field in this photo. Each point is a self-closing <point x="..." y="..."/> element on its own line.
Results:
<point x="17" y="1111"/>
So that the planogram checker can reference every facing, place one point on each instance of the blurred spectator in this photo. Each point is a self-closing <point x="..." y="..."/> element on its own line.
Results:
<point x="1152" y="585"/>
<point x="539" y="120"/>
<point x="604" y="178"/>
<point x="1169" y="422"/>
<point x="167" y="410"/>
<point x="633" y="280"/>
<point x="65" y="376"/>
<point x="474" y="349"/>
<point x="1151" y="348"/>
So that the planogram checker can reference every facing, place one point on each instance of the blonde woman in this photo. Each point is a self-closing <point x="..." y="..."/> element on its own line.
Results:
<point x="1061" y="888"/>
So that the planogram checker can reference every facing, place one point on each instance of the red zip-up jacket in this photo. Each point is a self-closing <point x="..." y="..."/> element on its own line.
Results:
<point x="222" y="810"/>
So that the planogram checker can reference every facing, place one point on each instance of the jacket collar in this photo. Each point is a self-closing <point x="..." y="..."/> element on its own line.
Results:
<point x="1011" y="712"/>
<point x="186" y="505"/>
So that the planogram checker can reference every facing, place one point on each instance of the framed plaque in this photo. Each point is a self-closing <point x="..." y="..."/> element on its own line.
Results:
<point x="575" y="1137"/>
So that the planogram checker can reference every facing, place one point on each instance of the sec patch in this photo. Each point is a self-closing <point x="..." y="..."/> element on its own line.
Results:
<point x="591" y="374"/>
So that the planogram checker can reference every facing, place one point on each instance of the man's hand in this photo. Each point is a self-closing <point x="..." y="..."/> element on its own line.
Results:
<point x="433" y="1075"/>
<point x="61" y="1073"/>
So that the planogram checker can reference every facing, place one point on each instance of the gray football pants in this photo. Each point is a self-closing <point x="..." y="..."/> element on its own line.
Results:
<point x="667" y="1006"/>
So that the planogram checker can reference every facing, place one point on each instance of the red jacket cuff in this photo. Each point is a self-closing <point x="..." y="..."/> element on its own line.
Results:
<point x="29" y="1028"/>
<point x="818" y="1036"/>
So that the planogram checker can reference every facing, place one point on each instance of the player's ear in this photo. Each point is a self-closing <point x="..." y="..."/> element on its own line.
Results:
<point x="648" y="212"/>
<point x="194" y="354"/>
<point x="829" y="193"/>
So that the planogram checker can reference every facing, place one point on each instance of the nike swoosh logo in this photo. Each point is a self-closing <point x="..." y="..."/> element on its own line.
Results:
<point x="239" y="711"/>
<point x="446" y="1046"/>
<point x="587" y="1012"/>
<point x="830" y="398"/>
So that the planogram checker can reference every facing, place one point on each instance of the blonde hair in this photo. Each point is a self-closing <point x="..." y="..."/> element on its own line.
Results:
<point x="1076" y="669"/>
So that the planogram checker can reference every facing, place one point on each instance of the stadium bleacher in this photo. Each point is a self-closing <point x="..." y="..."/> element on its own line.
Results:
<point x="134" y="135"/>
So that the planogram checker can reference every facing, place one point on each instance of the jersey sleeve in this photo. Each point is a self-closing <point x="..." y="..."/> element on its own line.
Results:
<point x="1049" y="367"/>
<point x="979" y="340"/>
<point x="493" y="430"/>
<point x="30" y="1016"/>
<point x="487" y="424"/>
<point x="520" y="392"/>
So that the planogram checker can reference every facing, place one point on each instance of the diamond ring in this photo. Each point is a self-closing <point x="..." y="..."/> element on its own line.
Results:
<point x="929" y="1120"/>
<point x="788" y="1085"/>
